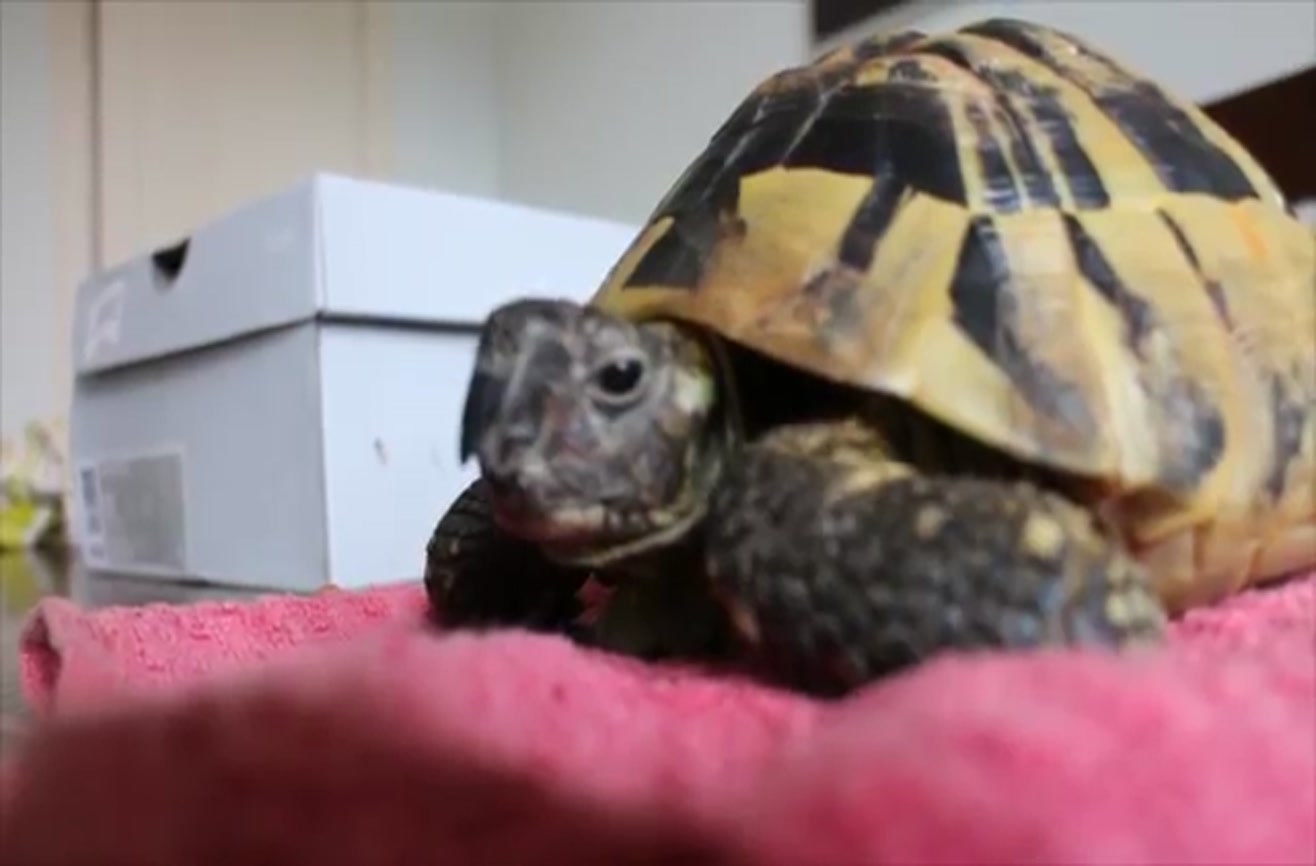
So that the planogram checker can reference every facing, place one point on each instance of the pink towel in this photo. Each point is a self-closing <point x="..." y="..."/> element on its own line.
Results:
<point x="338" y="729"/>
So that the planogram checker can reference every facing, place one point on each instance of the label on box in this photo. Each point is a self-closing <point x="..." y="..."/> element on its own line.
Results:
<point x="133" y="512"/>
<point x="89" y="507"/>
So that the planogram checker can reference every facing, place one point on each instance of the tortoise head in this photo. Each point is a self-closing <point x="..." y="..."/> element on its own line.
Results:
<point x="597" y="436"/>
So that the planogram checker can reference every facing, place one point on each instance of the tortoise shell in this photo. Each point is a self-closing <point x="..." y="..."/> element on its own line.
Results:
<point x="1028" y="241"/>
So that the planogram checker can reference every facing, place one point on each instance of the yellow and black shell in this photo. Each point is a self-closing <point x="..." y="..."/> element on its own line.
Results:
<point x="1041" y="248"/>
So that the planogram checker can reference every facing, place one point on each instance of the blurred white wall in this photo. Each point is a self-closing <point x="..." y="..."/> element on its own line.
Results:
<point x="576" y="104"/>
<point x="602" y="104"/>
<point x="29" y="299"/>
<point x="446" y="95"/>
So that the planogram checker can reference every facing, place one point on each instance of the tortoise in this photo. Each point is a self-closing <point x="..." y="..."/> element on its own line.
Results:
<point x="968" y="340"/>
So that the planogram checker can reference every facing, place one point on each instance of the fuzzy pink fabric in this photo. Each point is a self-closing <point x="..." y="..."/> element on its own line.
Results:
<point x="337" y="729"/>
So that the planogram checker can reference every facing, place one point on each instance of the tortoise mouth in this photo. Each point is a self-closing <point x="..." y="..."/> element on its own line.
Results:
<point x="592" y="534"/>
<point x="518" y="515"/>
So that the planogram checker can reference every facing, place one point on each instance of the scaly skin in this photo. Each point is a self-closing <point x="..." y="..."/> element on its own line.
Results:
<point x="841" y="571"/>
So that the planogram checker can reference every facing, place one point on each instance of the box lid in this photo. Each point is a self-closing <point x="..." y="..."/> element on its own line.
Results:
<point x="334" y="246"/>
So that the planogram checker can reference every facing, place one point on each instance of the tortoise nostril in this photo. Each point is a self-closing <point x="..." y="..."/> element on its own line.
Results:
<point x="503" y="450"/>
<point x="511" y="502"/>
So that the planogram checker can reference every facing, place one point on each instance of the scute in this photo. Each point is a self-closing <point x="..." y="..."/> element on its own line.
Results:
<point x="1022" y="237"/>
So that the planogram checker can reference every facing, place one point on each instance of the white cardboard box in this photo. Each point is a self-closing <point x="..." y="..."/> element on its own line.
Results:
<point x="274" y="403"/>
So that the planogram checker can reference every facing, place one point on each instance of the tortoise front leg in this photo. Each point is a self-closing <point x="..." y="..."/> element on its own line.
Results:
<point x="842" y="568"/>
<point x="668" y="615"/>
<point x="476" y="575"/>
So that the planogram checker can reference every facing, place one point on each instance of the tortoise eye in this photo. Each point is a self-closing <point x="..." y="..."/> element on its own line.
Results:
<point x="618" y="380"/>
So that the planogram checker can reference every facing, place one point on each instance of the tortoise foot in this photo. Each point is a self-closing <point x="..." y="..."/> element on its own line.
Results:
<point x="840" y="572"/>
